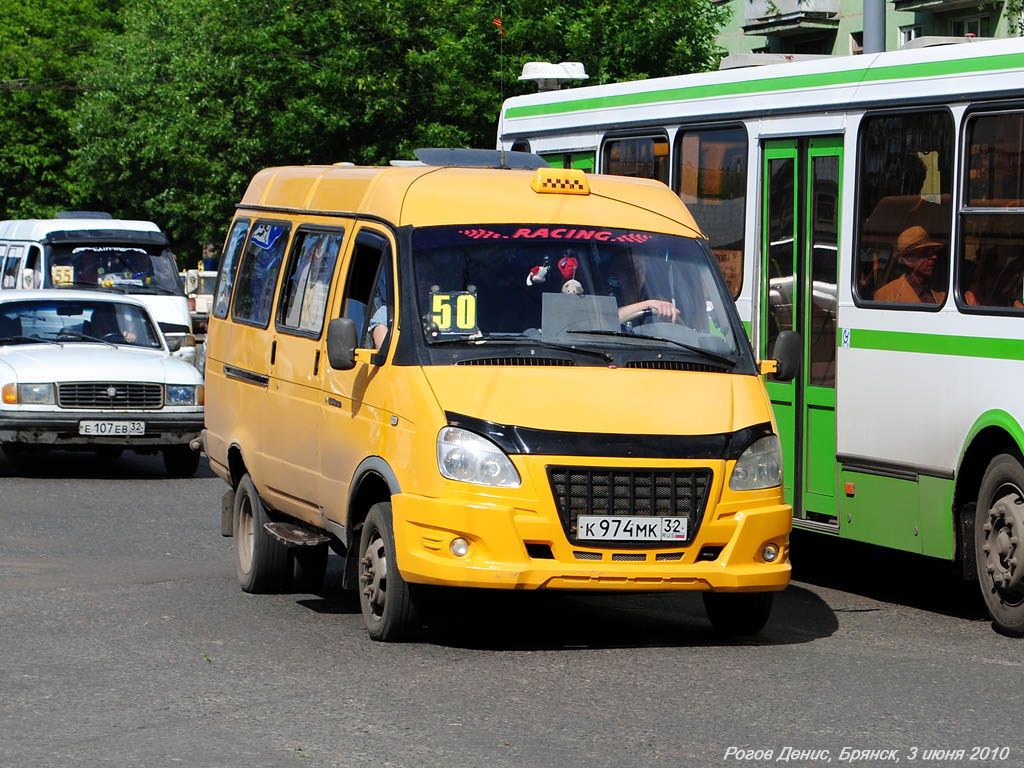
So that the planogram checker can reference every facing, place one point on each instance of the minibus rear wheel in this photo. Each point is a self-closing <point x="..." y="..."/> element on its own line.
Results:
<point x="738" y="613"/>
<point x="384" y="596"/>
<point x="263" y="564"/>
<point x="999" y="543"/>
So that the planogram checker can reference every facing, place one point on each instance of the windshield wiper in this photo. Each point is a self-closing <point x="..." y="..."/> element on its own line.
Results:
<point x="151" y="288"/>
<point x="84" y="337"/>
<point x="499" y="339"/>
<point x="27" y="340"/>
<point x="90" y="286"/>
<point x="726" y="361"/>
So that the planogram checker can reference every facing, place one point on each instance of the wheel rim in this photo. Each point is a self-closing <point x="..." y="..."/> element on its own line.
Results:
<point x="1001" y="545"/>
<point x="373" y="575"/>
<point x="246" y="534"/>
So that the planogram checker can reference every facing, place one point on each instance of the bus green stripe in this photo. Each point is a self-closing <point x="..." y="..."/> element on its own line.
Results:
<point x="933" y="344"/>
<point x="786" y="83"/>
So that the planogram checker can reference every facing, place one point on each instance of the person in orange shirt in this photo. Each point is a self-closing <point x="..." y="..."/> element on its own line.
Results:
<point x="918" y="253"/>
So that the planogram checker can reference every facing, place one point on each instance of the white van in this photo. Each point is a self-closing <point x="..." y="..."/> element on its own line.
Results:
<point x="83" y="249"/>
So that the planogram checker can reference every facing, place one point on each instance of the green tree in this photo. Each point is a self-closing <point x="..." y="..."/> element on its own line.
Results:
<point x="194" y="96"/>
<point x="45" y="45"/>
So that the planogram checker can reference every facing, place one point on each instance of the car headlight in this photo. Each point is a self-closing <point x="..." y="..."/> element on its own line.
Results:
<point x="760" y="466"/>
<point x="184" y="394"/>
<point x="35" y="394"/>
<point x="470" y="458"/>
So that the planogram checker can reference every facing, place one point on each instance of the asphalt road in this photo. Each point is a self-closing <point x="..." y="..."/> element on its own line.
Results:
<point x="125" y="641"/>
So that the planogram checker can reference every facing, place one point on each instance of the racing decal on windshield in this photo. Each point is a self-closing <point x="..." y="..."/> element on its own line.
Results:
<point x="557" y="233"/>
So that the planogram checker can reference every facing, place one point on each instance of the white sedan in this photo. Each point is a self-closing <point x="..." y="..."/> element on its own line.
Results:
<point x="80" y="369"/>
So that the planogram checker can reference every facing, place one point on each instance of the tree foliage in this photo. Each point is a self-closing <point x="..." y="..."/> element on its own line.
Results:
<point x="183" y="100"/>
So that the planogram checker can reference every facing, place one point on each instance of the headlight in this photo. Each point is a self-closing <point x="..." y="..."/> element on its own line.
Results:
<point x="470" y="458"/>
<point x="36" y="394"/>
<point x="183" y="394"/>
<point x="760" y="466"/>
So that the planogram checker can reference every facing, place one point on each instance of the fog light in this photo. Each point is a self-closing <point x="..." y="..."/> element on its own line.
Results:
<point x="770" y="552"/>
<point x="459" y="547"/>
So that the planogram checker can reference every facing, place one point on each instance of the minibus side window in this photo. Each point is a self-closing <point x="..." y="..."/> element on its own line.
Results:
<point x="307" y="281"/>
<point x="257" y="274"/>
<point x="369" y="298"/>
<point x="226" y="275"/>
<point x="32" y="276"/>
<point x="12" y="266"/>
<point x="645" y="157"/>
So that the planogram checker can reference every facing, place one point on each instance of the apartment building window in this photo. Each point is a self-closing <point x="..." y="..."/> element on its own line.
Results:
<point x="978" y="26"/>
<point x="908" y="33"/>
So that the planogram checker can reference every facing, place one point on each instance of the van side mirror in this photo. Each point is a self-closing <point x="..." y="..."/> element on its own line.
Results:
<point x="192" y="281"/>
<point x="341" y="343"/>
<point x="788" y="351"/>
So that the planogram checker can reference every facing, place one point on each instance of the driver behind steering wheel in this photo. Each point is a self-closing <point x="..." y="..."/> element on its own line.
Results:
<point x="626" y="283"/>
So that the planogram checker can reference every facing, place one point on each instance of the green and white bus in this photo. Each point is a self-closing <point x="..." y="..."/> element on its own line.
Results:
<point x="875" y="205"/>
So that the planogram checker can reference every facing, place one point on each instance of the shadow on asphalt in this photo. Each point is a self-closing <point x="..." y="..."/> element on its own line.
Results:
<point x="505" y="620"/>
<point x="885" y="575"/>
<point x="83" y="465"/>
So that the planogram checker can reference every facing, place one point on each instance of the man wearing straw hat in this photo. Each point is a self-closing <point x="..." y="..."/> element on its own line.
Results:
<point x="918" y="253"/>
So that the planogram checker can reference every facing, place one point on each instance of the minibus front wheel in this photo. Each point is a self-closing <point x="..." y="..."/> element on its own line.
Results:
<point x="738" y="613"/>
<point x="384" y="596"/>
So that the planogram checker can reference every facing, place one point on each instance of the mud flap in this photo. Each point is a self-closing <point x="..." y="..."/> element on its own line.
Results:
<point x="227" y="512"/>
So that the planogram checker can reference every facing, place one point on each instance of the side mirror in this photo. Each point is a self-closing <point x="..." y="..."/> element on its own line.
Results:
<point x="341" y="343"/>
<point x="788" y="351"/>
<point x="191" y="281"/>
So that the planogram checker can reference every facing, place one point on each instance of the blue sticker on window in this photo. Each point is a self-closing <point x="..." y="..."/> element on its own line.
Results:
<point x="265" y="235"/>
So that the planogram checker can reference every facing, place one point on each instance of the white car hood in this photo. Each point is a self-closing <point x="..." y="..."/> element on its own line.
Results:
<point x="37" y="363"/>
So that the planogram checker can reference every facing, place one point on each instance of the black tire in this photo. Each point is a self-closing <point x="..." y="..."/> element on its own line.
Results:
<point x="263" y="564"/>
<point x="384" y="596"/>
<point x="309" y="565"/>
<point x="738" y="613"/>
<point x="998" y="533"/>
<point x="180" y="460"/>
<point x="109" y="452"/>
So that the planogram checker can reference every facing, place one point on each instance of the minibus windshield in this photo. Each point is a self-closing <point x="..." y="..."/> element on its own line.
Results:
<point x="127" y="268"/>
<point x="581" y="286"/>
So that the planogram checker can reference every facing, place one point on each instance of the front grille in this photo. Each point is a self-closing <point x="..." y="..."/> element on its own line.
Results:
<point x="641" y="492"/>
<point x="110" y="394"/>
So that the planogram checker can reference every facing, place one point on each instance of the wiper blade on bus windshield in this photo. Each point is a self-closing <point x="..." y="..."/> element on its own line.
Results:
<point x="518" y="337"/>
<point x="726" y="361"/>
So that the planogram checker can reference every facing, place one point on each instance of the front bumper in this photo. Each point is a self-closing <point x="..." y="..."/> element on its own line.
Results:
<point x="61" y="427"/>
<point x="499" y="536"/>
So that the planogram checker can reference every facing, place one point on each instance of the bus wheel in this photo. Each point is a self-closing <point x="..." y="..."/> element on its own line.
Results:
<point x="738" y="613"/>
<point x="384" y="597"/>
<point x="998" y="537"/>
<point x="263" y="564"/>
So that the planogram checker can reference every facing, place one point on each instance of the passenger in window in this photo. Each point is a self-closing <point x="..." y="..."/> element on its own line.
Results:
<point x="995" y="285"/>
<point x="917" y="253"/>
<point x="380" y="321"/>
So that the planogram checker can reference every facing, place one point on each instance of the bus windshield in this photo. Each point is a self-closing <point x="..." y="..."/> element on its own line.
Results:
<point x="129" y="268"/>
<point x="580" y="286"/>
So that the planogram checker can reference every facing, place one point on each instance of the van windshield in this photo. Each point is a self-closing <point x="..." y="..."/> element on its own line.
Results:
<point x="579" y="286"/>
<point x="129" y="268"/>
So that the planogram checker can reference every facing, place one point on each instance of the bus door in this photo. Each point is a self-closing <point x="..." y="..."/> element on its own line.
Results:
<point x="800" y="250"/>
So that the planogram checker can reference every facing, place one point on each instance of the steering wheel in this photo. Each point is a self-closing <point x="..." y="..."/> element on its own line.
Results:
<point x="115" y="337"/>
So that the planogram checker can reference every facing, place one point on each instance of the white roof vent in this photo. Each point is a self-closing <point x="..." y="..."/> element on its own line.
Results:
<point x="549" y="77"/>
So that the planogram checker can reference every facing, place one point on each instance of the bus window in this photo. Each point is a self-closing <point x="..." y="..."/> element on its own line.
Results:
<point x="642" y="156"/>
<point x="905" y="179"/>
<point x="990" y="273"/>
<point x="711" y="168"/>
<point x="582" y="160"/>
